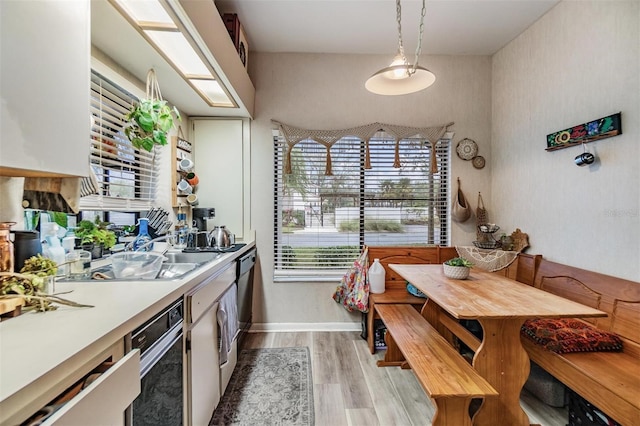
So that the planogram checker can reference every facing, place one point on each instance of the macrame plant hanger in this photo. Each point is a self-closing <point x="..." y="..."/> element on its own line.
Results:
<point x="153" y="87"/>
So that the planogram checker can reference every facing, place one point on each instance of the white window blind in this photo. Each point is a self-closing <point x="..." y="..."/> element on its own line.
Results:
<point x="127" y="177"/>
<point x="322" y="222"/>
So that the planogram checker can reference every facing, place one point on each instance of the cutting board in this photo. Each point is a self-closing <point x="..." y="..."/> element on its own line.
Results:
<point x="11" y="307"/>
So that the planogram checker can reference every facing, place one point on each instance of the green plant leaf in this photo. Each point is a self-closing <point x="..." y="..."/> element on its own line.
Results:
<point x="165" y="122"/>
<point x="147" y="143"/>
<point x="145" y="121"/>
<point x="459" y="261"/>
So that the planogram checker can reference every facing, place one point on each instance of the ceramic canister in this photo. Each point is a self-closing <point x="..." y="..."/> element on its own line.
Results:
<point x="25" y="244"/>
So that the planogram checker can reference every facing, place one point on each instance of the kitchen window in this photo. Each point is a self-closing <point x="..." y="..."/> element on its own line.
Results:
<point x="126" y="178"/>
<point x="323" y="220"/>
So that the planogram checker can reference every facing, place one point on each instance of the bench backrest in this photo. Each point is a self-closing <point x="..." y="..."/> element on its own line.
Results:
<point x="523" y="269"/>
<point x="527" y="265"/>
<point x="407" y="255"/>
<point x="618" y="297"/>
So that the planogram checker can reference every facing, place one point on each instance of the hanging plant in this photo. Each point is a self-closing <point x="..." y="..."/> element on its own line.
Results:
<point x="150" y="119"/>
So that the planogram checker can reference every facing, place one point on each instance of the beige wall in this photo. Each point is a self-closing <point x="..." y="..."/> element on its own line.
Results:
<point x="579" y="62"/>
<point x="324" y="91"/>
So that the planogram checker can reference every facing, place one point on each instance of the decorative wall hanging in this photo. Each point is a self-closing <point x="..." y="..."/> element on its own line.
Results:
<point x="482" y="218"/>
<point x="460" y="209"/>
<point x="467" y="149"/>
<point x="601" y="128"/>
<point x="478" y="162"/>
<point x="328" y="138"/>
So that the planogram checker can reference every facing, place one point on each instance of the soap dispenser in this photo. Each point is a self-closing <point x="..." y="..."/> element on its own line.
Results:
<point x="141" y="243"/>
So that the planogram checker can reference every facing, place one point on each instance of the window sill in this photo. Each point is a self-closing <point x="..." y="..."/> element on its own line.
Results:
<point x="307" y="276"/>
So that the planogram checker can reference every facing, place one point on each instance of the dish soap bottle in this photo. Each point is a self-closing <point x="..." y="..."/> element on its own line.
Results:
<point x="376" y="277"/>
<point x="141" y="243"/>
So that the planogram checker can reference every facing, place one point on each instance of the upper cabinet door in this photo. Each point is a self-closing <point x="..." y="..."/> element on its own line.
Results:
<point x="222" y="159"/>
<point x="45" y="77"/>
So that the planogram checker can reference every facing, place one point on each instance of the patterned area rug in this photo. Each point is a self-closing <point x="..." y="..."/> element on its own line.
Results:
<point x="268" y="387"/>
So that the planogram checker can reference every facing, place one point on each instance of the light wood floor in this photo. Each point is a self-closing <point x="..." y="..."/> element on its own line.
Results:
<point x="349" y="389"/>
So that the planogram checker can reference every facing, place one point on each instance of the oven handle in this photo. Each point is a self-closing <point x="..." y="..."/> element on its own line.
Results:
<point x="161" y="347"/>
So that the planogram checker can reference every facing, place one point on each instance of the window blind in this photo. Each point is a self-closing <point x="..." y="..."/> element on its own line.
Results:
<point x="127" y="177"/>
<point x="322" y="222"/>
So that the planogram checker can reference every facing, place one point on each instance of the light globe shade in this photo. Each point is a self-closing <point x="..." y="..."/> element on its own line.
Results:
<point x="394" y="80"/>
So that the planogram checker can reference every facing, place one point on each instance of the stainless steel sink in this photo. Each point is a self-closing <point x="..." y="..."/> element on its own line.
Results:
<point x="195" y="257"/>
<point x="168" y="271"/>
<point x="176" y="270"/>
<point x="177" y="265"/>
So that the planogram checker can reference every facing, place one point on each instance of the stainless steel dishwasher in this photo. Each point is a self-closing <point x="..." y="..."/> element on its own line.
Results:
<point x="245" y="267"/>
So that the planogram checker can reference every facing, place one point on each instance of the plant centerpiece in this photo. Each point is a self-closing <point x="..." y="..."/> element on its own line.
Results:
<point x="31" y="285"/>
<point x="150" y="119"/>
<point x="95" y="237"/>
<point x="457" y="268"/>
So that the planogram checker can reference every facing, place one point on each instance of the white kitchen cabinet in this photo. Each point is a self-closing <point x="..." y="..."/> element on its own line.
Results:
<point x="222" y="156"/>
<point x="203" y="361"/>
<point x="204" y="374"/>
<point x="44" y="89"/>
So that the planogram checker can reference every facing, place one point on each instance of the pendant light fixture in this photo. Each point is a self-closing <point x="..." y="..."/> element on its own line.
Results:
<point x="401" y="77"/>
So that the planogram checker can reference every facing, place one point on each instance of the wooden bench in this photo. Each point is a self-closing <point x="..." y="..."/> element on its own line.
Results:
<point x="608" y="380"/>
<point x="395" y="286"/>
<point x="443" y="373"/>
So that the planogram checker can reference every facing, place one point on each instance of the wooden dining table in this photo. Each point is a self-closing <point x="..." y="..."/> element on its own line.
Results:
<point x="501" y="305"/>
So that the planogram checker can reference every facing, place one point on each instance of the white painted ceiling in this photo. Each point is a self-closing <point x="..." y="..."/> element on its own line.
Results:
<point x="452" y="27"/>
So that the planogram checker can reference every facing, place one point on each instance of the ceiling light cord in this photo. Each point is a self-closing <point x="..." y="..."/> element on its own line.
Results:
<point x="410" y="70"/>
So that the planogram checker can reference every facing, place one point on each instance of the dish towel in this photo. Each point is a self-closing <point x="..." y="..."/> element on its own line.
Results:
<point x="228" y="320"/>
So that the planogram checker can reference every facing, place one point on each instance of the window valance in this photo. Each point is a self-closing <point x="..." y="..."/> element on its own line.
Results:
<point x="293" y="135"/>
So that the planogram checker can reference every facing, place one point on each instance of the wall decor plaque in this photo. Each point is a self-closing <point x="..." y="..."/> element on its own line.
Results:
<point x="467" y="149"/>
<point x="591" y="131"/>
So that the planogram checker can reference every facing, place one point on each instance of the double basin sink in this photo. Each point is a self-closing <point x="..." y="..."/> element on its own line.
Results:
<point x="177" y="265"/>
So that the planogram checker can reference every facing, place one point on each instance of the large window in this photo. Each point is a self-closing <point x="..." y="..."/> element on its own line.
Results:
<point x="126" y="177"/>
<point x="389" y="197"/>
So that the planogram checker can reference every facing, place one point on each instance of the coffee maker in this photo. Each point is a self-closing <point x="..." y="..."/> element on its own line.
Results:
<point x="200" y="216"/>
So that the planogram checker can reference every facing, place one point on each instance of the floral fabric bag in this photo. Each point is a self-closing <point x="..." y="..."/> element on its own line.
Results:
<point x="353" y="291"/>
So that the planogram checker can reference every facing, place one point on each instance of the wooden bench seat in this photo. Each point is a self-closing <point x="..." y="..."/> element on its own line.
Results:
<point x="395" y="286"/>
<point x="608" y="380"/>
<point x="443" y="373"/>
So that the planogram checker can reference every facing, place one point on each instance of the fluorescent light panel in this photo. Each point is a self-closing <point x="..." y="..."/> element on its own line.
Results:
<point x="157" y="26"/>
<point x="212" y="90"/>
<point x="176" y="47"/>
<point x="146" y="11"/>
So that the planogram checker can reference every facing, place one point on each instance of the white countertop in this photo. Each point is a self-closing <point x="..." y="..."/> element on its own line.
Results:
<point x="33" y="345"/>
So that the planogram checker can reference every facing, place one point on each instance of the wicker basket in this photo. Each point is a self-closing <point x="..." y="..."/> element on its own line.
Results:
<point x="487" y="244"/>
<point x="456" y="272"/>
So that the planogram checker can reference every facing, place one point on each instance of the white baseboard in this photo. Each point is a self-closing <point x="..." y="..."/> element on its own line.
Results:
<point x="305" y="326"/>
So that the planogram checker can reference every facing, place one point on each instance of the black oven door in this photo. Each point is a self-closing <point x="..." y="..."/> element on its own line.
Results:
<point x="161" y="399"/>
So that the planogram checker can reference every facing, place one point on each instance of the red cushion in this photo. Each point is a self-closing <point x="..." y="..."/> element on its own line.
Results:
<point x="565" y="335"/>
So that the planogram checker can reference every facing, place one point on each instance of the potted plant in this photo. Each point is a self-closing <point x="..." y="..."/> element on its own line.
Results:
<point x="95" y="237"/>
<point x="150" y="119"/>
<point x="457" y="268"/>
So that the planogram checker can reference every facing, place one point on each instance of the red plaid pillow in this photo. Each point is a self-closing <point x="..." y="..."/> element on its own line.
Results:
<point x="566" y="335"/>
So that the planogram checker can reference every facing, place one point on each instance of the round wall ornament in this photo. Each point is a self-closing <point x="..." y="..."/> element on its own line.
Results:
<point x="467" y="149"/>
<point x="478" y="162"/>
